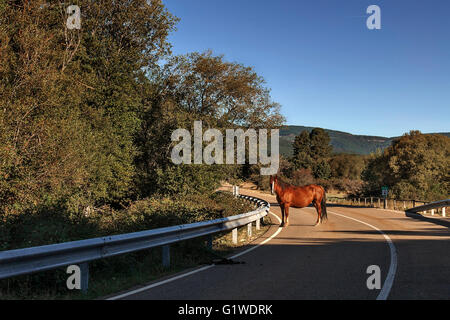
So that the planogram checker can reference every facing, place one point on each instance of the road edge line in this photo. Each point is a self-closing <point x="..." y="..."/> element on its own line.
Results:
<point x="387" y="286"/>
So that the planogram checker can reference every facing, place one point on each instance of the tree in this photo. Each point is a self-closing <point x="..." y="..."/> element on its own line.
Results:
<point x="86" y="115"/>
<point x="312" y="150"/>
<point x="228" y="92"/>
<point x="302" y="146"/>
<point x="70" y="98"/>
<point x="190" y="88"/>
<point x="322" y="169"/>
<point x="415" y="166"/>
<point x="320" y="147"/>
<point x="348" y="166"/>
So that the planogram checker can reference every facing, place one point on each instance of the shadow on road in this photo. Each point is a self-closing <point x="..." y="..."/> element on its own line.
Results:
<point x="335" y="205"/>
<point x="440" y="222"/>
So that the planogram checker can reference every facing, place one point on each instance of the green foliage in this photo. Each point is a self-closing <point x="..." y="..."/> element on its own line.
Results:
<point x="322" y="169"/>
<point x="302" y="150"/>
<point x="190" y="88"/>
<point x="312" y="150"/>
<point x="349" y="186"/>
<point x="263" y="182"/>
<point x="71" y="100"/>
<point x="415" y="166"/>
<point x="48" y="226"/>
<point x="303" y="177"/>
<point x="189" y="179"/>
<point x="228" y="92"/>
<point x="313" y="162"/>
<point x="320" y="147"/>
<point x="87" y="115"/>
<point x="347" y="166"/>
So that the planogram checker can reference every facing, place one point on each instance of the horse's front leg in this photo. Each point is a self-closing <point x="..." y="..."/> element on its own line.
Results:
<point x="282" y="214"/>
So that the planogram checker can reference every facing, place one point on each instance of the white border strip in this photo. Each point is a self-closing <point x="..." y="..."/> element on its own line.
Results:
<point x="387" y="286"/>
<point x="197" y="270"/>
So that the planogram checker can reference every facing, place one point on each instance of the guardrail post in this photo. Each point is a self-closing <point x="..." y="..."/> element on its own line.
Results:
<point x="258" y="224"/>
<point x="365" y="202"/>
<point x="371" y="201"/>
<point x="249" y="229"/>
<point x="234" y="235"/>
<point x="443" y="212"/>
<point x="84" y="269"/>
<point x="432" y="212"/>
<point x="166" y="256"/>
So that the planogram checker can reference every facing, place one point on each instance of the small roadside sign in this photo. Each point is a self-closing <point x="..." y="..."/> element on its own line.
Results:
<point x="384" y="191"/>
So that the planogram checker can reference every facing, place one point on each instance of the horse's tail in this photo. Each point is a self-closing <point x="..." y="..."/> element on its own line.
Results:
<point x="323" y="205"/>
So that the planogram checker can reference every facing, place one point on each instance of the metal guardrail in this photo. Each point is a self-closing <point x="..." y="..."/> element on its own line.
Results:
<point x="384" y="203"/>
<point x="31" y="260"/>
<point x="432" y="206"/>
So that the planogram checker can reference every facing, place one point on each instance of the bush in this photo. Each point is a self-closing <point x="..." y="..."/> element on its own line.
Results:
<point x="189" y="179"/>
<point x="415" y="166"/>
<point x="352" y="187"/>
<point x="303" y="177"/>
<point x="54" y="226"/>
<point x="48" y="226"/>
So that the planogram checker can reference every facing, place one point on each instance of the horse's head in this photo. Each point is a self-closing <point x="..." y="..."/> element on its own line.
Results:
<point x="273" y="180"/>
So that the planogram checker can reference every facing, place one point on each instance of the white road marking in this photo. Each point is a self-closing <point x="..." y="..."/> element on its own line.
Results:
<point x="387" y="286"/>
<point x="262" y="243"/>
<point x="159" y="283"/>
<point x="197" y="270"/>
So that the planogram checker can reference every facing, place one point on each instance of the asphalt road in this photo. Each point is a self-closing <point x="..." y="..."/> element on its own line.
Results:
<point x="329" y="261"/>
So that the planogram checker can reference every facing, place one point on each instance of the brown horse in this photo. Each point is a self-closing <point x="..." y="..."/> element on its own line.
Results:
<point x="299" y="197"/>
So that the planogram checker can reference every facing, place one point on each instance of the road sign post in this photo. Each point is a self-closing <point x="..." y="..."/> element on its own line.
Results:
<point x="384" y="193"/>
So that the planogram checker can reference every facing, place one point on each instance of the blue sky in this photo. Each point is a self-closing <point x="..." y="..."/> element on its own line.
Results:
<point x="325" y="67"/>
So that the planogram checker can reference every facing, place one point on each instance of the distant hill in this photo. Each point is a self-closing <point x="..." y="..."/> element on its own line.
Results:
<point x="342" y="142"/>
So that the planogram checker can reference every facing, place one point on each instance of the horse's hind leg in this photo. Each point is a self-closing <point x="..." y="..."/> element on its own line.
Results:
<point x="286" y="213"/>
<point x="319" y="212"/>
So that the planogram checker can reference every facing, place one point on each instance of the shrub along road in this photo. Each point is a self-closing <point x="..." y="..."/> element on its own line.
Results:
<point x="325" y="262"/>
